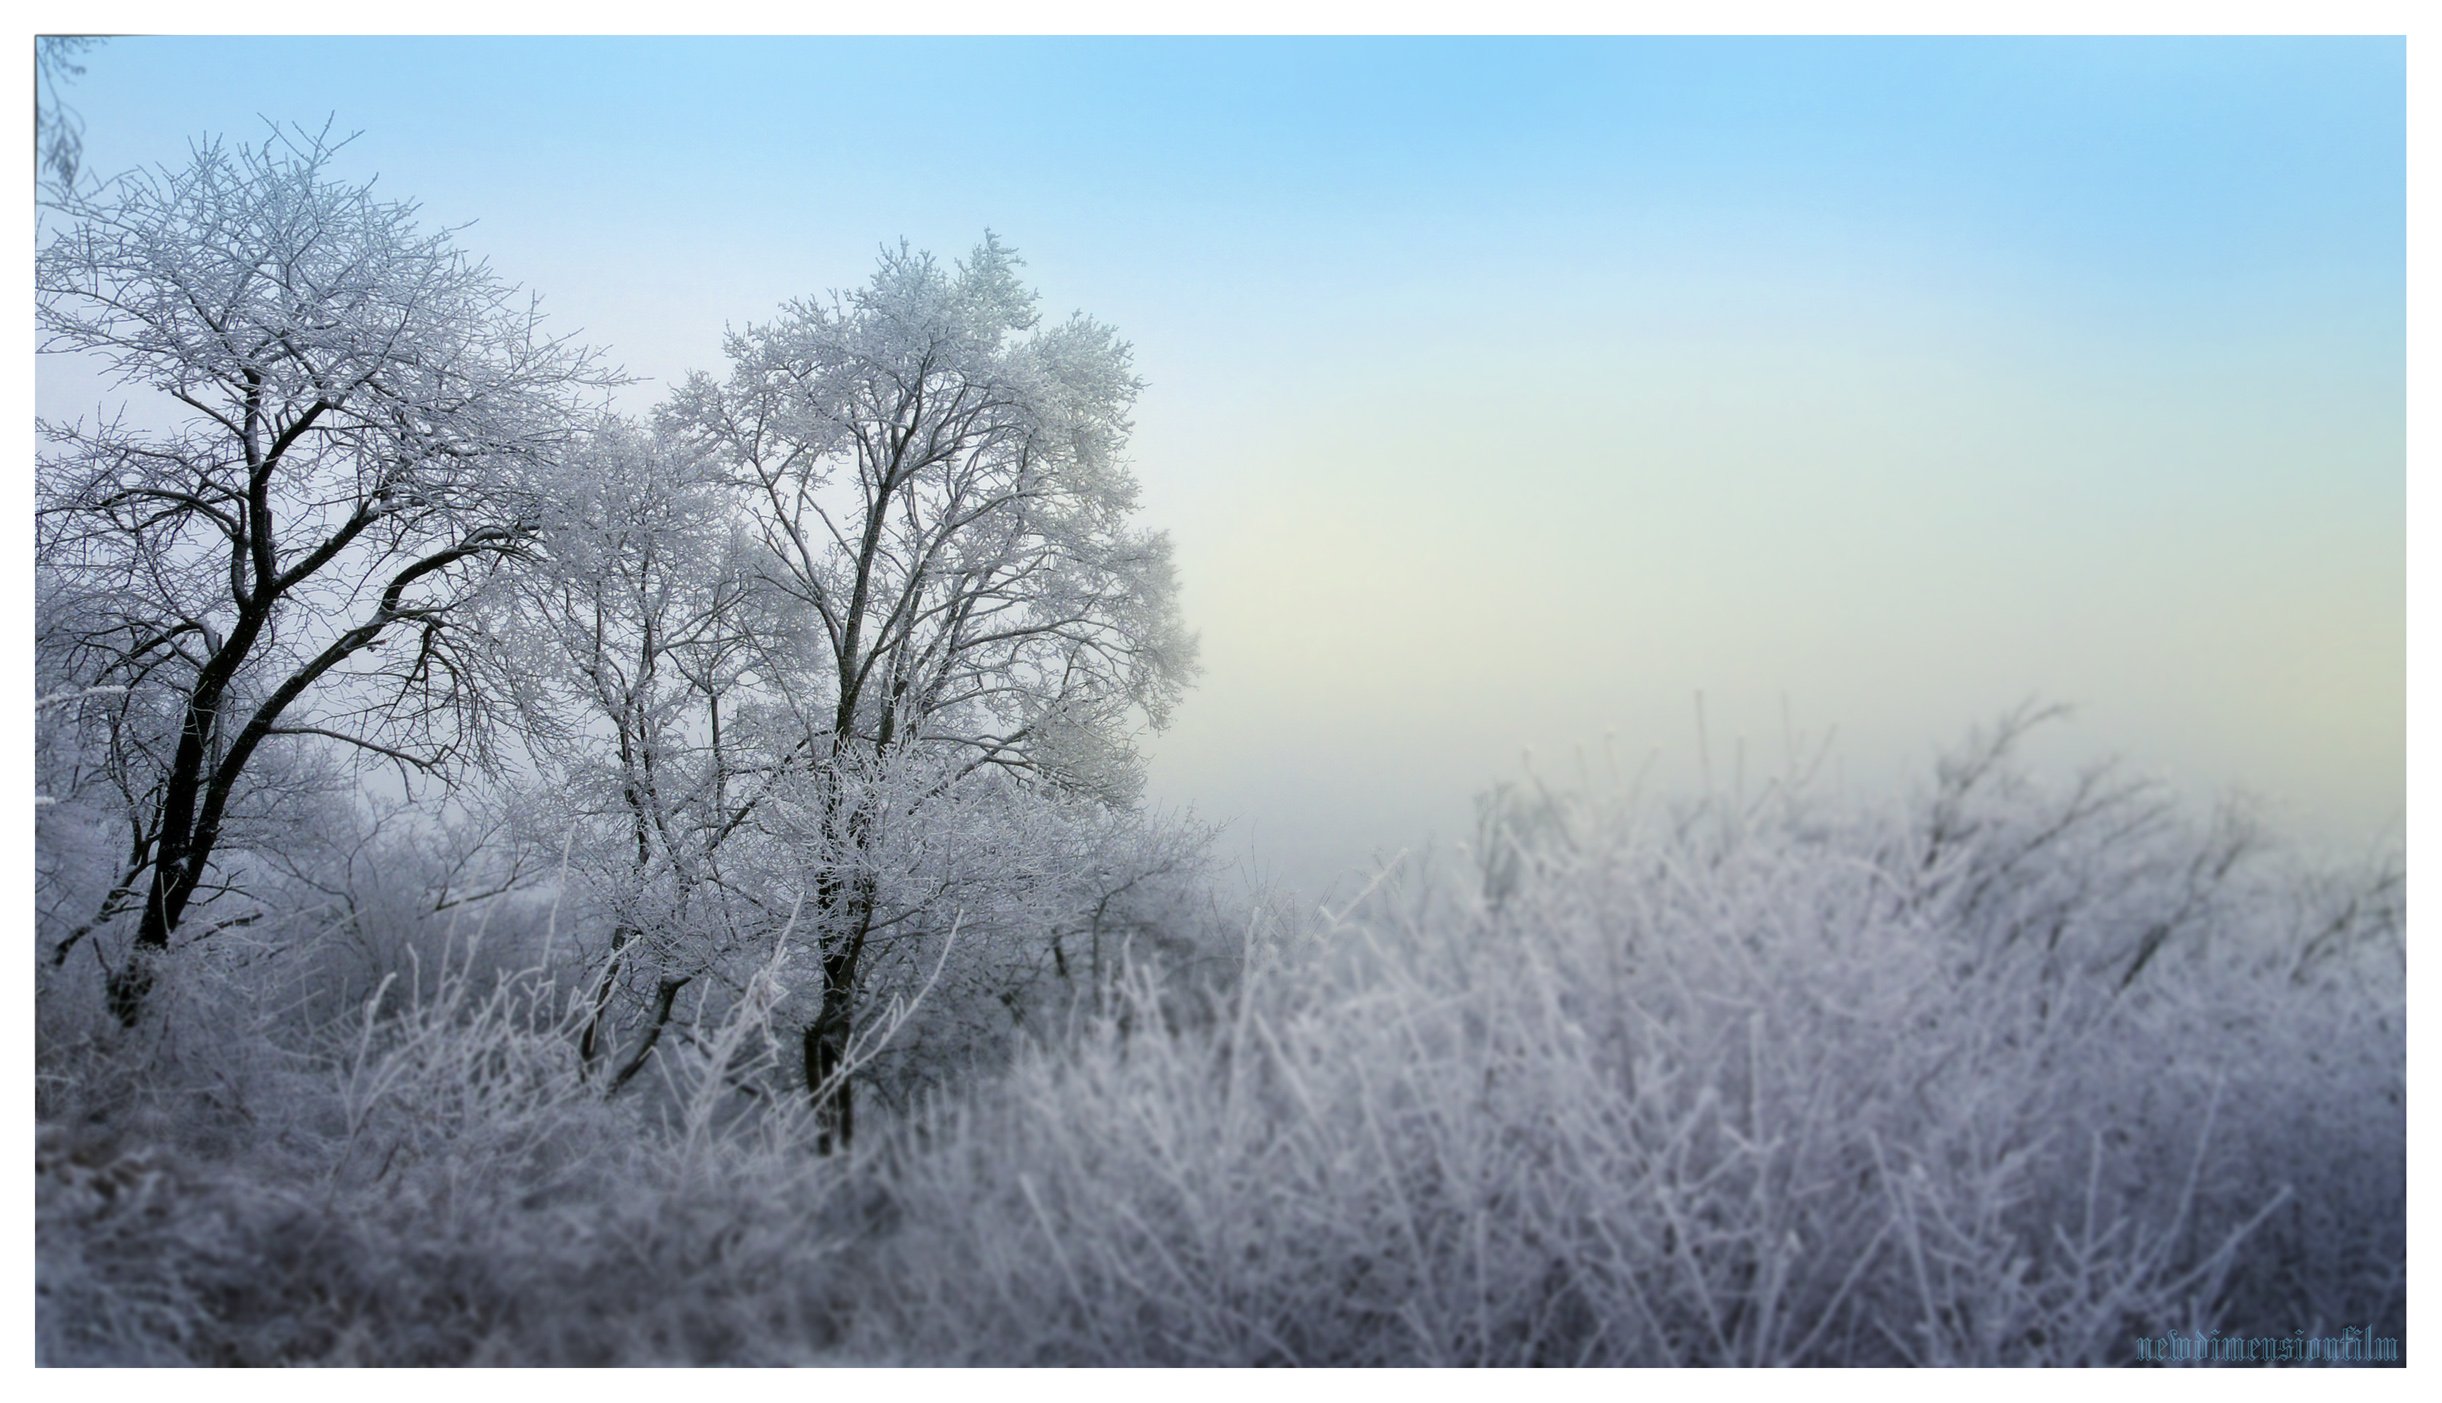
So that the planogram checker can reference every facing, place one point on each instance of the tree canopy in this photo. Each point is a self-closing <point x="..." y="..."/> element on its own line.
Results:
<point x="338" y="425"/>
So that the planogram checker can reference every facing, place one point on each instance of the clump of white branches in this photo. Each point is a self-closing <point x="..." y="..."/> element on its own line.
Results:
<point x="2009" y="1078"/>
<point x="434" y="1179"/>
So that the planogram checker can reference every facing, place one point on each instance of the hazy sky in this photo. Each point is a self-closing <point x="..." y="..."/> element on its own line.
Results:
<point x="1509" y="393"/>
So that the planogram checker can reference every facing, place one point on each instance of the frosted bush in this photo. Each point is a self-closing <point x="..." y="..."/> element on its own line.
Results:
<point x="2012" y="1078"/>
<point x="432" y="1182"/>
<point x="2013" y="1073"/>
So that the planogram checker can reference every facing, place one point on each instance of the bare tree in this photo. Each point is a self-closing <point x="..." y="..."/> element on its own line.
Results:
<point x="338" y="426"/>
<point x="939" y="488"/>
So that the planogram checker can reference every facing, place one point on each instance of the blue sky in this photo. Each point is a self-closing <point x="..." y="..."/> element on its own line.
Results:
<point x="1507" y="393"/>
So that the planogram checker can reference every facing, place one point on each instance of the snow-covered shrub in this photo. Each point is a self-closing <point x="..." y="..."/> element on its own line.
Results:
<point x="2012" y="1077"/>
<point x="2015" y="1073"/>
<point x="431" y="1182"/>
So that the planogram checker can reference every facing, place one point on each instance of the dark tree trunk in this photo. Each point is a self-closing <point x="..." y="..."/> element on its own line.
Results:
<point x="173" y="882"/>
<point x="128" y="987"/>
<point x="663" y="1000"/>
<point x="848" y="907"/>
<point x="826" y="1048"/>
<point x="589" y="1046"/>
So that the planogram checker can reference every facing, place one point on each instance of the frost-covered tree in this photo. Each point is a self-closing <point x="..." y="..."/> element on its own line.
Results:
<point x="633" y="633"/>
<point x="334" y="431"/>
<point x="59" y="134"/>
<point x="995" y="908"/>
<point x="938" y="483"/>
